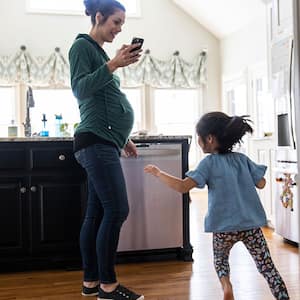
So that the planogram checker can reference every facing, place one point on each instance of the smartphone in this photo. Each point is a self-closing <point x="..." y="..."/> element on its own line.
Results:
<point x="137" y="40"/>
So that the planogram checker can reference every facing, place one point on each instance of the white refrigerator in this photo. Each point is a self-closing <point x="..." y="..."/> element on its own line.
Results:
<point x="285" y="74"/>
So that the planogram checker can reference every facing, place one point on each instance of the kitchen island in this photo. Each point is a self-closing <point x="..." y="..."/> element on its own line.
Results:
<point x="43" y="194"/>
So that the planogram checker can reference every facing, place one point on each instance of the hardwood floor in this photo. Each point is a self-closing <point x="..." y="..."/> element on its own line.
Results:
<point x="170" y="280"/>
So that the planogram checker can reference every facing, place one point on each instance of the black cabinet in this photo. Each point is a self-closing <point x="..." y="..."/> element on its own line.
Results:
<point x="13" y="218"/>
<point x="56" y="214"/>
<point x="43" y="195"/>
<point x="42" y="191"/>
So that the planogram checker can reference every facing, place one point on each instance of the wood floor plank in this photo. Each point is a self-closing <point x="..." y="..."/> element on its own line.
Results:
<point x="169" y="280"/>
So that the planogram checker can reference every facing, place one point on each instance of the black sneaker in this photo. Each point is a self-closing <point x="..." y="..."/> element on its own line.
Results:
<point x="120" y="293"/>
<point x="89" y="292"/>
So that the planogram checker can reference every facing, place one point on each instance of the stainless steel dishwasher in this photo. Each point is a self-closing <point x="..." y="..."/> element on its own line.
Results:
<point x="156" y="211"/>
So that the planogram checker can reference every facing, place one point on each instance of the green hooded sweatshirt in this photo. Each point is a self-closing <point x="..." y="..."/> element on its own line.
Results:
<point x="104" y="109"/>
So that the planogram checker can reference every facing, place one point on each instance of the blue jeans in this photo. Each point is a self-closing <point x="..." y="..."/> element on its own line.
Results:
<point x="107" y="209"/>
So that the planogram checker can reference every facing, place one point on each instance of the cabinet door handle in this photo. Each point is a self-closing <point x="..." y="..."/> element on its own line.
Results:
<point x="33" y="188"/>
<point x="61" y="157"/>
<point x="23" y="190"/>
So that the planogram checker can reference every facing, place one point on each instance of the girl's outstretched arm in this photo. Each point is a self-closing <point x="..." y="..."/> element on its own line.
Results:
<point x="175" y="183"/>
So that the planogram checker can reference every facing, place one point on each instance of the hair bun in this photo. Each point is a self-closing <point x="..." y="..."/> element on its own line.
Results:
<point x="90" y="6"/>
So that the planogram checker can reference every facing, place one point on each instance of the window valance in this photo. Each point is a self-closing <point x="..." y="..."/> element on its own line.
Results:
<point x="54" y="70"/>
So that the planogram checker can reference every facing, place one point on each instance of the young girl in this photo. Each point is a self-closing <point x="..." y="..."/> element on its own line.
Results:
<point x="235" y="212"/>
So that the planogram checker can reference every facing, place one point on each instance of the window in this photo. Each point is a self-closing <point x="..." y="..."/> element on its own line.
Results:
<point x="236" y="103"/>
<point x="75" y="7"/>
<point x="8" y="109"/>
<point x="54" y="102"/>
<point x="176" y="112"/>
<point x="167" y="112"/>
<point x="61" y="101"/>
<point x="134" y="96"/>
<point x="158" y="111"/>
<point x="56" y="6"/>
<point x="264" y="108"/>
<point x="133" y="8"/>
<point x="238" y="98"/>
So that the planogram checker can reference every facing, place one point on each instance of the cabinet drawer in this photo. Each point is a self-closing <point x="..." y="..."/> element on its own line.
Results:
<point x="53" y="158"/>
<point x="12" y="158"/>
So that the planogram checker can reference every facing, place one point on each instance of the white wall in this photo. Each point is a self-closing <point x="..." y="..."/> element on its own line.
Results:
<point x="245" y="48"/>
<point x="163" y="25"/>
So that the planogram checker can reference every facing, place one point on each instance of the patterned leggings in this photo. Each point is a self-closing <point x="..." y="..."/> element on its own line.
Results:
<point x="257" y="246"/>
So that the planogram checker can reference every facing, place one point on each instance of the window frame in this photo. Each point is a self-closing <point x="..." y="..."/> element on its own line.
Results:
<point x="230" y="84"/>
<point x="141" y="90"/>
<point x="15" y="108"/>
<point x="147" y="106"/>
<point x="151" y="117"/>
<point x="16" y="105"/>
<point x="34" y="10"/>
<point x="260" y="72"/>
<point x="52" y="88"/>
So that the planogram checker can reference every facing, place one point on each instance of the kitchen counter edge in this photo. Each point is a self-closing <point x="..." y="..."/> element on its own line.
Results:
<point x="63" y="139"/>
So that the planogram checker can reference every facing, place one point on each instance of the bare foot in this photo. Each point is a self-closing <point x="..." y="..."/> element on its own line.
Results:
<point x="227" y="288"/>
<point x="228" y="294"/>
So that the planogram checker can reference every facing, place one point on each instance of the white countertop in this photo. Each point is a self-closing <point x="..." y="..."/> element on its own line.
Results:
<point x="58" y="139"/>
<point x="34" y="139"/>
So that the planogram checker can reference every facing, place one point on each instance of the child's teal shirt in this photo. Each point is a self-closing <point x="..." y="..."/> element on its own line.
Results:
<point x="233" y="202"/>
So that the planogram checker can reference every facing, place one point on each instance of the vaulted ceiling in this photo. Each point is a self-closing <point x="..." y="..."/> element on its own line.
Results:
<point x="223" y="17"/>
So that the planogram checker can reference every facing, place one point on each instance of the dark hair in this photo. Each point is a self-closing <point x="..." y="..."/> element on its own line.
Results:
<point x="105" y="7"/>
<point x="227" y="130"/>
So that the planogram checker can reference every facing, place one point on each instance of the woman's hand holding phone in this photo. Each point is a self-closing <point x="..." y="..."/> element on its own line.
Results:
<point x="127" y="55"/>
<point x="136" y="46"/>
<point x="138" y="42"/>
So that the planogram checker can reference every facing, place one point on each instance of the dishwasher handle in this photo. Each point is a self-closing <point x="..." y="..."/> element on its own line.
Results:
<point x="142" y="145"/>
<point x="148" y="152"/>
<point x="159" y="152"/>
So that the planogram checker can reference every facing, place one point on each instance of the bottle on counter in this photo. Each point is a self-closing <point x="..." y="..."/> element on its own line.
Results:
<point x="12" y="130"/>
<point x="58" y="122"/>
<point x="45" y="131"/>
